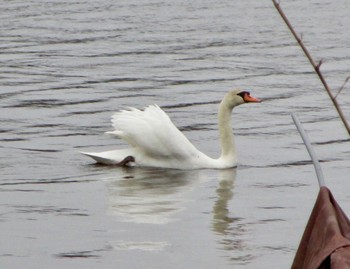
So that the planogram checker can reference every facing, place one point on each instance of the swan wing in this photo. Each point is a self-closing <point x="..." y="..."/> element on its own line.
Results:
<point x="152" y="131"/>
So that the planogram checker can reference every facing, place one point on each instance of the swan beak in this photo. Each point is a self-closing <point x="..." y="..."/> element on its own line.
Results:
<point x="250" y="99"/>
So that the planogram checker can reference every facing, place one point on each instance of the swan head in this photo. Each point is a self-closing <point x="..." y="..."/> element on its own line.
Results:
<point x="238" y="97"/>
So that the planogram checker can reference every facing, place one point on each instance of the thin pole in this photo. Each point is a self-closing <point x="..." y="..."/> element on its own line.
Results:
<point x="309" y="148"/>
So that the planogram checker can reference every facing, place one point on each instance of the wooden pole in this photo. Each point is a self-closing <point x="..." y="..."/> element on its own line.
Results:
<point x="314" y="65"/>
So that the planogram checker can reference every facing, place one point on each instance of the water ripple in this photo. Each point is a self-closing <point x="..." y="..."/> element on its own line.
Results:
<point x="67" y="66"/>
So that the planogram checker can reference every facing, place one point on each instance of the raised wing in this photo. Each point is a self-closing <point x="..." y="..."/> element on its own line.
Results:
<point x="152" y="131"/>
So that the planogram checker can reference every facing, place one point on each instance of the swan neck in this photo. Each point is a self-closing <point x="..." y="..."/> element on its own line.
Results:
<point x="228" y="149"/>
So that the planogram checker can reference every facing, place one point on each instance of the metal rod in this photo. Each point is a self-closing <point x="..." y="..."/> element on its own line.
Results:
<point x="309" y="148"/>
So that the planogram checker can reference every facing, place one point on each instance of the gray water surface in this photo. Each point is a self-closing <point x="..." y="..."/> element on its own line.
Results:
<point x="65" y="67"/>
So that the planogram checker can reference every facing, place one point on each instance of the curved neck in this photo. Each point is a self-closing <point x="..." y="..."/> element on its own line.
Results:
<point x="228" y="148"/>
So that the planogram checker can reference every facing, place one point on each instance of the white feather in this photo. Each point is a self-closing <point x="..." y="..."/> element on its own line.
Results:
<point x="156" y="142"/>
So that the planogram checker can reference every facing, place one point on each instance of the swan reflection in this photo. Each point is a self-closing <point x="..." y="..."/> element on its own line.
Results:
<point x="229" y="228"/>
<point x="149" y="195"/>
<point x="224" y="191"/>
<point x="157" y="196"/>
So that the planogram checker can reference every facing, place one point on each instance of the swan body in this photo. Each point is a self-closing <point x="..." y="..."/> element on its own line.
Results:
<point x="156" y="142"/>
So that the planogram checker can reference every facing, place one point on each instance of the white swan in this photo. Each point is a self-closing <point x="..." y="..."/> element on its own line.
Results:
<point x="156" y="142"/>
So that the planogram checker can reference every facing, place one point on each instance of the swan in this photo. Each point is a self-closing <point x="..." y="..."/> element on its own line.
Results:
<point x="156" y="142"/>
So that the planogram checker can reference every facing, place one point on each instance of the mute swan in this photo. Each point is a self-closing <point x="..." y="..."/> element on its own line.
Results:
<point x="156" y="142"/>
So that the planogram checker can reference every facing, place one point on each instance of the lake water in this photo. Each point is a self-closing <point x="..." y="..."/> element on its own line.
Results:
<point x="66" y="66"/>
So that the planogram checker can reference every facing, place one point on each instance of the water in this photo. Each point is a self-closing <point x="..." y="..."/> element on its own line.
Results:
<point x="67" y="66"/>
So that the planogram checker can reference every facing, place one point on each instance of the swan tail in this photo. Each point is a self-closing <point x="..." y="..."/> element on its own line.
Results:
<point x="99" y="158"/>
<point x="122" y="157"/>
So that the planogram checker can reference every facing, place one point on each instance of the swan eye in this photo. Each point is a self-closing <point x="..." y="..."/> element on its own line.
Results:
<point x="243" y="94"/>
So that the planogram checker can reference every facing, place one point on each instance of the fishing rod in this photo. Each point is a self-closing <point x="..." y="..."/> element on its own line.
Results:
<point x="311" y="151"/>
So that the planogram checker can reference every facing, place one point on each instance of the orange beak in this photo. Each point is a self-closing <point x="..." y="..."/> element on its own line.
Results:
<point x="250" y="99"/>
